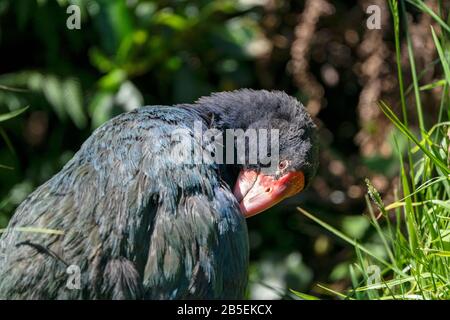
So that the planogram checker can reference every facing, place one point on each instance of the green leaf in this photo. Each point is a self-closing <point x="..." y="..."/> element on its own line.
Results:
<point x="100" y="60"/>
<point x="12" y="114"/>
<point x="303" y="296"/>
<point x="391" y="283"/>
<point x="433" y="85"/>
<point x="113" y="80"/>
<point x="74" y="102"/>
<point x="100" y="108"/>
<point x="334" y="292"/>
<point x="440" y="253"/>
<point x="171" y="20"/>
<point x="442" y="56"/>
<point x="7" y="88"/>
<point x="53" y="91"/>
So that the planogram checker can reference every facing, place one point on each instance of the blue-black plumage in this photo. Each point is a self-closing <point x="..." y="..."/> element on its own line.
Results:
<point x="138" y="223"/>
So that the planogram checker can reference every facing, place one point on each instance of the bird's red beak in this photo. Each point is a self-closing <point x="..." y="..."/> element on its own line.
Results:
<point x="257" y="192"/>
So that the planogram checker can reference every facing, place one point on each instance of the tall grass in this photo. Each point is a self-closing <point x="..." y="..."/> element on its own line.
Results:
<point x="415" y="229"/>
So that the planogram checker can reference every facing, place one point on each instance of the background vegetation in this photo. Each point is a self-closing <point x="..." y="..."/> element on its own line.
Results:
<point x="133" y="53"/>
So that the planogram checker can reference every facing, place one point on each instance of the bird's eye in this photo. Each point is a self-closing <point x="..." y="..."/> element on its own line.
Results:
<point x="282" y="165"/>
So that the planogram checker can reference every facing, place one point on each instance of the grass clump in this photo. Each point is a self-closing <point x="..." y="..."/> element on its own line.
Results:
<point x="414" y="230"/>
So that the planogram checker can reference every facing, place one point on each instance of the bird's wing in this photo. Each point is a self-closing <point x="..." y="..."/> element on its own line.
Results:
<point x="134" y="221"/>
<point x="199" y="252"/>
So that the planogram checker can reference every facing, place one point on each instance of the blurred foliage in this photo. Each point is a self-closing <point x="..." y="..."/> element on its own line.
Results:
<point x="130" y="53"/>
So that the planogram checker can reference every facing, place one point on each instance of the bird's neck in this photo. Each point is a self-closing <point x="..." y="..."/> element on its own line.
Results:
<point x="225" y="116"/>
<point x="221" y="119"/>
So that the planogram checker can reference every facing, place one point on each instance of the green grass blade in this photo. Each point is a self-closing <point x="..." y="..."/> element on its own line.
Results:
<point x="12" y="114"/>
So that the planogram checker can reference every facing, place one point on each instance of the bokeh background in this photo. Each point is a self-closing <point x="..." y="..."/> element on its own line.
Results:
<point x="130" y="53"/>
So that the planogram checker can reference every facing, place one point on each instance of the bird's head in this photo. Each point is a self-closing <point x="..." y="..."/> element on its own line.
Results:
<point x="291" y="160"/>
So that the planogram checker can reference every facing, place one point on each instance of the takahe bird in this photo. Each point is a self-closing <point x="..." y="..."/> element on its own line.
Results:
<point x="138" y="223"/>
